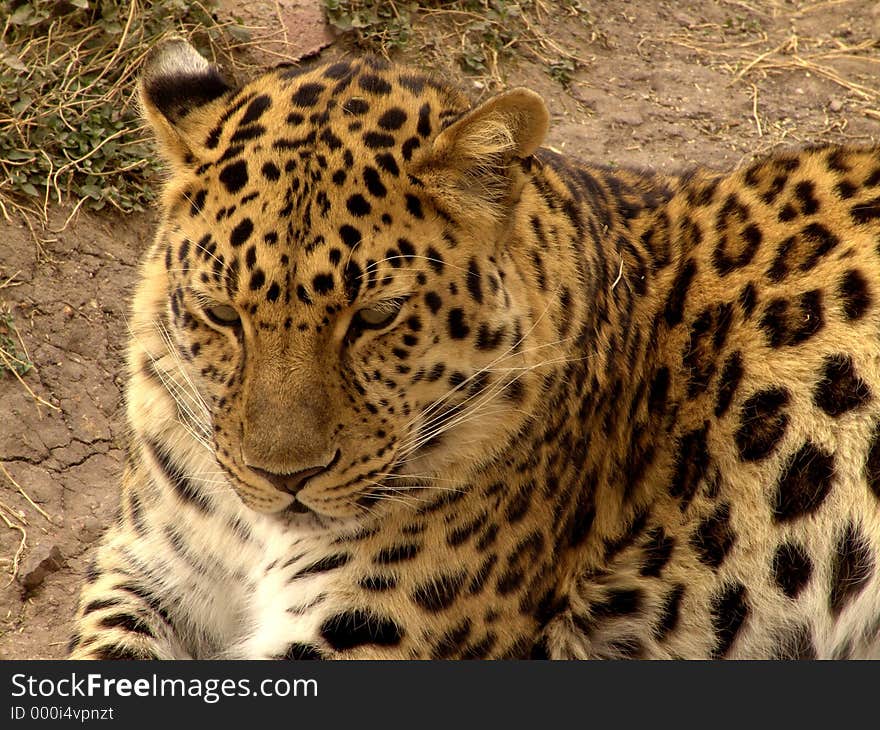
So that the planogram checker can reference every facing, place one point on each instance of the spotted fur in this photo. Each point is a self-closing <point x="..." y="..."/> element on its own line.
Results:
<point x="404" y="384"/>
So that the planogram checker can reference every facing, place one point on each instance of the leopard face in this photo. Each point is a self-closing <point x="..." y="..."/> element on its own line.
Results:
<point x="336" y="278"/>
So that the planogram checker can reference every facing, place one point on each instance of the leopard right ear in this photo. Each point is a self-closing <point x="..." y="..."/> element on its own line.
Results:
<point x="180" y="94"/>
<point x="473" y="165"/>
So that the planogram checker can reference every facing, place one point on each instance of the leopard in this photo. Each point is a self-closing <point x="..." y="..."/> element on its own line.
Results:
<point x="403" y="382"/>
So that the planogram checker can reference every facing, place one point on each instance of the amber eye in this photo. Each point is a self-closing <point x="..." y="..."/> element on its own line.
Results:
<point x="223" y="315"/>
<point x="376" y="317"/>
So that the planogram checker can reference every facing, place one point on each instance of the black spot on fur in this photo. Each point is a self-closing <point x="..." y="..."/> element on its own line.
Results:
<point x="730" y="610"/>
<point x="748" y="299"/>
<point x="424" y="124"/>
<point x="731" y="375"/>
<point x="787" y="325"/>
<point x="692" y="463"/>
<point x="669" y="613"/>
<point x="258" y="278"/>
<point x="658" y="550"/>
<point x="410" y="146"/>
<point x="675" y="304"/>
<point x="866" y="212"/>
<point x="178" y="93"/>
<point x="234" y="176"/>
<point x="478" y="581"/>
<point x="301" y="652"/>
<point x="393" y="119"/>
<point x="439" y="593"/>
<point x="714" y="537"/>
<point x="386" y="161"/>
<point x="763" y="422"/>
<point x="121" y="653"/>
<point x="519" y="560"/>
<point x="840" y="389"/>
<point x="792" y="568"/>
<point x="352" y="275"/>
<point x="271" y="171"/>
<point x="359" y="628"/>
<point x="805" y="192"/>
<point x="378" y="140"/>
<point x="356" y="106"/>
<point x="255" y="109"/>
<point x="473" y="281"/>
<point x="658" y="391"/>
<point x="489" y="339"/>
<point x="350" y="235"/>
<point x="872" y="467"/>
<point x="242" y="232"/>
<point x="845" y="189"/>
<point x="735" y="248"/>
<point x="358" y="206"/>
<point x="126" y="622"/>
<point x="198" y="202"/>
<point x="458" y="330"/>
<point x="804" y="483"/>
<point x="618" y="602"/>
<point x="339" y="70"/>
<point x="852" y="568"/>
<point x="855" y="295"/>
<point x="374" y="183"/>
<point x="307" y="95"/>
<point x="452" y="641"/>
<point x="432" y="299"/>
<point x="185" y="489"/>
<point x="374" y="84"/>
<point x="324" y="565"/>
<point x="378" y="583"/>
<point x="414" y="206"/>
<point x="397" y="554"/>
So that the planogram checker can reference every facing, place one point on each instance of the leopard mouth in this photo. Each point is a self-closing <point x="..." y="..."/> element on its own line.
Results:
<point x="297" y="508"/>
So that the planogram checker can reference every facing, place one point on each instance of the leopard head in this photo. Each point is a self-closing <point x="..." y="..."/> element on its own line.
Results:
<point x="336" y="270"/>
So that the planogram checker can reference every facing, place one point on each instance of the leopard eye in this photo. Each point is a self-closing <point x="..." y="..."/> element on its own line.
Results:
<point x="376" y="317"/>
<point x="223" y="315"/>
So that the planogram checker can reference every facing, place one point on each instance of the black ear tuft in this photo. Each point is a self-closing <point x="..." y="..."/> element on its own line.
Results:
<point x="176" y="79"/>
<point x="182" y="97"/>
<point x="175" y="96"/>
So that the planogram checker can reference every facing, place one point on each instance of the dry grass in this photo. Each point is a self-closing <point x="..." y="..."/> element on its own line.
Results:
<point x="480" y="36"/>
<point x="69" y="127"/>
<point x="745" y="60"/>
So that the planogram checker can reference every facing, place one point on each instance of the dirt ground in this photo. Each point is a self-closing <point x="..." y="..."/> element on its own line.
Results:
<point x="663" y="85"/>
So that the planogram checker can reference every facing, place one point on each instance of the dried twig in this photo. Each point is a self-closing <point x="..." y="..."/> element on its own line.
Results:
<point x="22" y="543"/>
<point x="25" y="494"/>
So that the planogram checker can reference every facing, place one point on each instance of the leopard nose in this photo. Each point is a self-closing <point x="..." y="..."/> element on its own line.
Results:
<point x="294" y="481"/>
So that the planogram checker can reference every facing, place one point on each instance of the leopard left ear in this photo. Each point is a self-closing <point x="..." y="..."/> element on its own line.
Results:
<point x="179" y="93"/>
<point x="473" y="165"/>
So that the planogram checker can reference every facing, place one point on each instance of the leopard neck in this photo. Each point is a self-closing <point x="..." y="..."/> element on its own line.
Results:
<point x="596" y="433"/>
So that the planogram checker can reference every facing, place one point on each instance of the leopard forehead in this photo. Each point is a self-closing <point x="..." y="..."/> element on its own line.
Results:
<point x="303" y="172"/>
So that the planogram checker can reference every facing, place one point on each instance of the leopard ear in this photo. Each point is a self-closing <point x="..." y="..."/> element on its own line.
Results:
<point x="473" y="165"/>
<point x="179" y="93"/>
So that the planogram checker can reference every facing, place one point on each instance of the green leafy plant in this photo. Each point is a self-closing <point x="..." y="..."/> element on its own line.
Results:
<point x="69" y="126"/>
<point x="380" y="24"/>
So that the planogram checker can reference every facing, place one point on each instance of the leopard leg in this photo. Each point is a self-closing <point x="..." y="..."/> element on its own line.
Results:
<point x="121" y="614"/>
